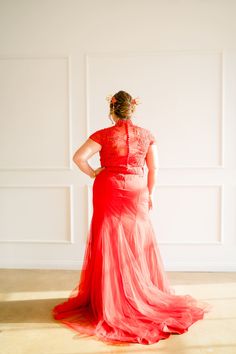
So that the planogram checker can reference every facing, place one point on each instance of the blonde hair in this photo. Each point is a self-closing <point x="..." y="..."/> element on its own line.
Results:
<point x="122" y="105"/>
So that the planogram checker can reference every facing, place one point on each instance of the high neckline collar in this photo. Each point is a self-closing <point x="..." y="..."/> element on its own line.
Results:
<point x="121" y="122"/>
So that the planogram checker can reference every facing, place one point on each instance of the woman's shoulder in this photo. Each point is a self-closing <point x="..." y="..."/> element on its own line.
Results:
<point x="105" y="131"/>
<point x="143" y="129"/>
<point x="147" y="134"/>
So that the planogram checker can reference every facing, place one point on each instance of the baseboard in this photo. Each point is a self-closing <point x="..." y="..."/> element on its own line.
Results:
<point x="77" y="265"/>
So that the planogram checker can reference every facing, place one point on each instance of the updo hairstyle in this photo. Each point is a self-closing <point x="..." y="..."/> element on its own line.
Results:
<point x="122" y="105"/>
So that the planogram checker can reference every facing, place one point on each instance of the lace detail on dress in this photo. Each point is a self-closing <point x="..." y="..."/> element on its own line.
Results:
<point x="124" y="144"/>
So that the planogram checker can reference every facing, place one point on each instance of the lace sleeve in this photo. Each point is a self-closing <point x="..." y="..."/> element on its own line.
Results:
<point x="152" y="139"/>
<point x="97" y="136"/>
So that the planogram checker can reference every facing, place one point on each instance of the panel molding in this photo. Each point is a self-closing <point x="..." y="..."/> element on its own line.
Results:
<point x="69" y="115"/>
<point x="121" y="54"/>
<point x="71" y="212"/>
<point x="221" y="207"/>
<point x="89" y="194"/>
<point x="221" y="241"/>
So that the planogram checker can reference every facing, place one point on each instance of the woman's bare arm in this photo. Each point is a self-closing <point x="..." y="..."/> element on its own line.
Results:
<point x="84" y="153"/>
<point x="152" y="165"/>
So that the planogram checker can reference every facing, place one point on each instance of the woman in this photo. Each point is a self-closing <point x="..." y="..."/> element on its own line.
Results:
<point x="123" y="293"/>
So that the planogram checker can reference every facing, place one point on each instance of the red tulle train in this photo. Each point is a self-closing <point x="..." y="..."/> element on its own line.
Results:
<point x="123" y="293"/>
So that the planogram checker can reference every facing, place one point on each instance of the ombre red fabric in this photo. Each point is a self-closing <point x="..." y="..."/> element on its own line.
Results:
<point x="123" y="294"/>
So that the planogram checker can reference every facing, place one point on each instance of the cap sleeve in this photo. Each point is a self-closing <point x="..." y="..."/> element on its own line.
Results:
<point x="97" y="136"/>
<point x="152" y="139"/>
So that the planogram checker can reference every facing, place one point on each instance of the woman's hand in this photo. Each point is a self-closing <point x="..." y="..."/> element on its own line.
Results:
<point x="150" y="202"/>
<point x="98" y="170"/>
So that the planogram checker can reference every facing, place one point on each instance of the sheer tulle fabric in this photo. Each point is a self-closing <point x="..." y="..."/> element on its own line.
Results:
<point x="123" y="293"/>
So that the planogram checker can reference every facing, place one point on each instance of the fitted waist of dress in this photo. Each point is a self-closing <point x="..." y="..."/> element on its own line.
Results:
<point x="135" y="170"/>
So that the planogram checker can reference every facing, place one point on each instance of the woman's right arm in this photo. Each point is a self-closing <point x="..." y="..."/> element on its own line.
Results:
<point x="83" y="154"/>
<point x="152" y="165"/>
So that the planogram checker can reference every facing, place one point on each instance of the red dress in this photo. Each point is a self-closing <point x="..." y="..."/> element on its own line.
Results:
<point x="123" y="293"/>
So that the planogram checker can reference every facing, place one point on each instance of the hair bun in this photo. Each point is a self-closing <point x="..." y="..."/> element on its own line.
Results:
<point x="122" y="104"/>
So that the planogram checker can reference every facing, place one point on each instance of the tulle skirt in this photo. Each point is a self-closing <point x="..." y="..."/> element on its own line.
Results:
<point x="123" y="294"/>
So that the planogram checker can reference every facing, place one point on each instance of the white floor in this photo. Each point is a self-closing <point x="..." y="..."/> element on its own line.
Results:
<point x="26" y="325"/>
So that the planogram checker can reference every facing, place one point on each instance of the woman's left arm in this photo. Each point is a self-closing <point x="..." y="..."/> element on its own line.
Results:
<point x="85" y="152"/>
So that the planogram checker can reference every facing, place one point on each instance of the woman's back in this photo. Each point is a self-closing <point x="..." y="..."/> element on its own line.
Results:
<point x="124" y="145"/>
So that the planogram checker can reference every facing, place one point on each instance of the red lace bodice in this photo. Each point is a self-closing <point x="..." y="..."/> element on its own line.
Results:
<point x="123" y="145"/>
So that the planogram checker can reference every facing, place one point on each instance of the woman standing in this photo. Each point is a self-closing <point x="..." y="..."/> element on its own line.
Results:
<point x="123" y="293"/>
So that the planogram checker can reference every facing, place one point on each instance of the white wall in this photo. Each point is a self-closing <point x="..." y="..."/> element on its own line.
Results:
<point x="58" y="62"/>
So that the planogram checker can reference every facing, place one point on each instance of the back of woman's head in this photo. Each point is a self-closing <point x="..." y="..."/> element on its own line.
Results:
<point x="122" y="105"/>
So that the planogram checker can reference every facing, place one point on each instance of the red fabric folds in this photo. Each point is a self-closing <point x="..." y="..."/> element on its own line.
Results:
<point x="124" y="293"/>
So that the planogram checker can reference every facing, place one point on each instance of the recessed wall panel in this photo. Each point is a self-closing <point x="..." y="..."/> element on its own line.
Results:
<point x="34" y="111"/>
<point x="181" y="101"/>
<point x="188" y="214"/>
<point x="35" y="214"/>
